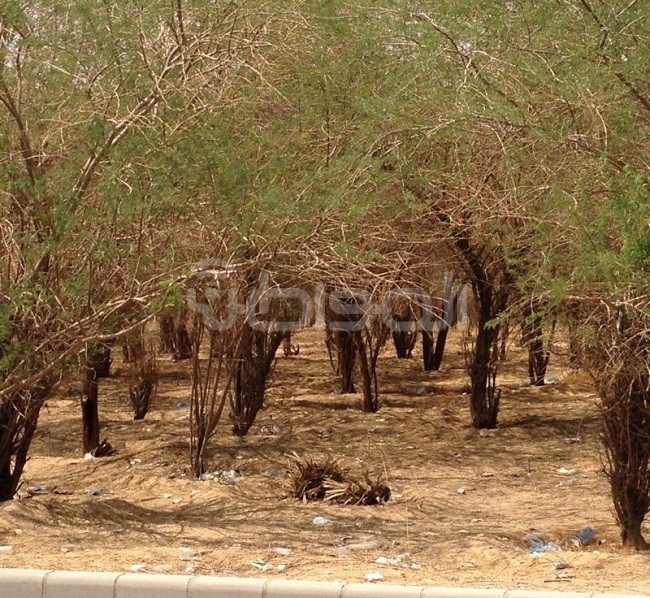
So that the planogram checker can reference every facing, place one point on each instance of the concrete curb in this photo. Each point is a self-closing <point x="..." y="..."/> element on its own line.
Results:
<point x="32" y="583"/>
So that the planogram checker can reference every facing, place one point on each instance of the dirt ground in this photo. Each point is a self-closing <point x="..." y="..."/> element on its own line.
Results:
<point x="461" y="501"/>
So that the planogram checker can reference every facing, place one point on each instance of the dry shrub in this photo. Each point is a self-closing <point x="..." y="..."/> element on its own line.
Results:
<point x="311" y="480"/>
<point x="619" y="361"/>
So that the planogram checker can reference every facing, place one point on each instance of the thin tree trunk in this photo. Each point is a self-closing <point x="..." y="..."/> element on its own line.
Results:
<point x="370" y="402"/>
<point x="346" y="360"/>
<point x="90" y="408"/>
<point x="533" y="338"/>
<point x="427" y="350"/>
<point x="484" y="405"/>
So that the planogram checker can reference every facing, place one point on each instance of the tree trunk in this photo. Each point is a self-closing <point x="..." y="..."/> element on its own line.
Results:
<point x="102" y="360"/>
<point x="484" y="405"/>
<point x="439" y="352"/>
<point x="368" y="373"/>
<point x="18" y="418"/>
<point x="166" y="344"/>
<point x="428" y="356"/>
<point x="90" y="407"/>
<point x="533" y="338"/>
<point x="631" y="535"/>
<point x="182" y="341"/>
<point x="254" y="366"/>
<point x="404" y="341"/>
<point x="346" y="352"/>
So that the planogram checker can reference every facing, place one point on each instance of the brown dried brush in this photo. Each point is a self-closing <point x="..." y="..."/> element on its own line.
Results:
<point x="310" y="480"/>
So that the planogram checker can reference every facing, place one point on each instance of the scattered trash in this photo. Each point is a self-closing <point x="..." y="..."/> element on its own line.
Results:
<point x="550" y="380"/>
<point x="486" y="433"/>
<point x="570" y="481"/>
<point x="65" y="549"/>
<point x="461" y="491"/>
<point x="181" y="404"/>
<point x="6" y="548"/>
<point x="281" y="567"/>
<point x="194" y="557"/>
<point x="228" y="476"/>
<point x="138" y="567"/>
<point x="135" y="461"/>
<point x="470" y="565"/>
<point x="177" y="501"/>
<point x="99" y="492"/>
<point x="161" y="568"/>
<point x="373" y="576"/>
<point x="584" y="536"/>
<point x="538" y="544"/>
<point x="37" y="489"/>
<point x="541" y="547"/>
<point x="558" y="565"/>
<point x="565" y="471"/>
<point x="568" y="440"/>
<point x="167" y="495"/>
<point x="476" y="519"/>
<point x="281" y="550"/>
<point x="321" y="521"/>
<point x="18" y="531"/>
<point x="399" y="560"/>
<point x="273" y="473"/>
<point x="190" y="570"/>
<point x="271" y="430"/>
<point x="260" y="564"/>
<point x="534" y="536"/>
<point x="208" y="476"/>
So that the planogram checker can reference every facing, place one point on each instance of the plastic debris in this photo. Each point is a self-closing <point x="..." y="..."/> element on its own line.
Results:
<point x="558" y="565"/>
<point x="99" y="492"/>
<point x="461" y="491"/>
<point x="177" y="501"/>
<point x="281" y="550"/>
<point x="565" y="471"/>
<point x="486" y="433"/>
<point x="167" y="495"/>
<point x="190" y="570"/>
<point x="6" y="548"/>
<point x="584" y="536"/>
<point x="373" y="576"/>
<point x="260" y="564"/>
<point x="281" y="567"/>
<point x="321" y="521"/>
<point x="540" y="547"/>
<point x="194" y="557"/>
<point x="138" y="567"/>
<point x="273" y="473"/>
<point x="181" y="404"/>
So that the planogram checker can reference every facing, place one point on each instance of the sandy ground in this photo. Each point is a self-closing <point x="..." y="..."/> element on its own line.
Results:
<point x="461" y="501"/>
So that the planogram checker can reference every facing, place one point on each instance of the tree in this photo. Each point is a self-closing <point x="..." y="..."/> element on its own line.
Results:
<point x="98" y="105"/>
